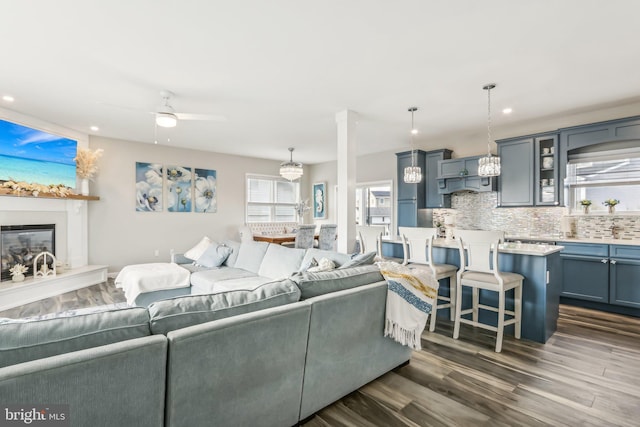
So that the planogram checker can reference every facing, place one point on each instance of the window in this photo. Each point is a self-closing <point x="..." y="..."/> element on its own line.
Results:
<point x="602" y="176"/>
<point x="373" y="204"/>
<point x="271" y="199"/>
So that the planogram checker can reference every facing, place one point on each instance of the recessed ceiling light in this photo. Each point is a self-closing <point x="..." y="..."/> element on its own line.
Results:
<point x="507" y="111"/>
<point x="95" y="128"/>
<point x="8" y="98"/>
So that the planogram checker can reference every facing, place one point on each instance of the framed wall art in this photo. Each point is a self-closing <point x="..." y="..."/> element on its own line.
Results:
<point x="148" y="187"/>
<point x="205" y="194"/>
<point x="179" y="188"/>
<point x="319" y="200"/>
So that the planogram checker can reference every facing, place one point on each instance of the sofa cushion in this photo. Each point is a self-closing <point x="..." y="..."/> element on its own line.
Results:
<point x="360" y="259"/>
<point x="21" y="341"/>
<point x="280" y="262"/>
<point x="195" y="252"/>
<point x="250" y="256"/>
<point x="314" y="284"/>
<point x="337" y="257"/>
<point x="235" y="248"/>
<point x="204" y="278"/>
<point x="180" y="312"/>
<point x="214" y="255"/>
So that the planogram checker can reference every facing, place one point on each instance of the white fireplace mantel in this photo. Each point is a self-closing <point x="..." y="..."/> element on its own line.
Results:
<point x="70" y="217"/>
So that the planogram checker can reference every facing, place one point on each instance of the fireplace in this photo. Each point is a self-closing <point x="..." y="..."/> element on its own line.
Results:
<point x="19" y="244"/>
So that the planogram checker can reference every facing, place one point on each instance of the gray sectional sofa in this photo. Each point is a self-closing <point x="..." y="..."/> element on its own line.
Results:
<point x="270" y="355"/>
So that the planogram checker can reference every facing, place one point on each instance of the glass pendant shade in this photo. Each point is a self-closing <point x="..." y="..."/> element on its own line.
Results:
<point x="291" y="170"/>
<point x="489" y="166"/>
<point x="412" y="174"/>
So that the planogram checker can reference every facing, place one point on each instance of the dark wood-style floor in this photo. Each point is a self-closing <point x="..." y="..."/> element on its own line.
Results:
<point x="587" y="374"/>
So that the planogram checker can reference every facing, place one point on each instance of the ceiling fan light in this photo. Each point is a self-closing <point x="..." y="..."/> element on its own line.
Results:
<point x="166" y="120"/>
<point x="291" y="170"/>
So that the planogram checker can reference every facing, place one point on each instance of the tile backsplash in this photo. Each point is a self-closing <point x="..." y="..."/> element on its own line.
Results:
<point x="479" y="211"/>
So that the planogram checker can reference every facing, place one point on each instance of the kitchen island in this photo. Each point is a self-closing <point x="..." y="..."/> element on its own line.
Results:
<point x="541" y="268"/>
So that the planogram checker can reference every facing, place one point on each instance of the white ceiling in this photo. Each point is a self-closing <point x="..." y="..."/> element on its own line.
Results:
<point x="280" y="70"/>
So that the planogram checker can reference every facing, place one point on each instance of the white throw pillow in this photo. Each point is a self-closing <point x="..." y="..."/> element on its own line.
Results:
<point x="196" y="252"/>
<point x="325" y="264"/>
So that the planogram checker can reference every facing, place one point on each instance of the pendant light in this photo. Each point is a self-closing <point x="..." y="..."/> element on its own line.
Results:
<point x="291" y="170"/>
<point x="413" y="173"/>
<point x="489" y="165"/>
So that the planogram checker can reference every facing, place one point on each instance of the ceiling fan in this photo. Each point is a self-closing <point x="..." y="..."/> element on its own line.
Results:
<point x="167" y="117"/>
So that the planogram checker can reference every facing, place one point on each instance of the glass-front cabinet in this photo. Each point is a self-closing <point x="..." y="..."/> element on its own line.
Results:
<point x="546" y="170"/>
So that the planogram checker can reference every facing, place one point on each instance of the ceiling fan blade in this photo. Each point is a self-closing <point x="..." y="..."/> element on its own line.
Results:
<point x="210" y="117"/>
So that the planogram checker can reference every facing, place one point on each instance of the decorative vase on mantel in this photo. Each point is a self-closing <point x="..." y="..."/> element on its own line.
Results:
<point x="84" y="186"/>
<point x="18" y="277"/>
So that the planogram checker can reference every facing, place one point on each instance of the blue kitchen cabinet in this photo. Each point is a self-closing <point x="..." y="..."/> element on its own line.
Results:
<point x="411" y="197"/>
<point x="600" y="276"/>
<point x="433" y="199"/>
<point x="462" y="175"/>
<point x="585" y="271"/>
<point x="624" y="275"/>
<point x="529" y="175"/>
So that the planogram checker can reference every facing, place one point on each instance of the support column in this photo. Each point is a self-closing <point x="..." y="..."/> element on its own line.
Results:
<point x="346" y="124"/>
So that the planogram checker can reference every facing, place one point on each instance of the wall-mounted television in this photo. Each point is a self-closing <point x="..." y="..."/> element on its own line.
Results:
<point x="35" y="156"/>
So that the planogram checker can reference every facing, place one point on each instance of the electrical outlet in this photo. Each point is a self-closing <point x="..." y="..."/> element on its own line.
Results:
<point x="157" y="252"/>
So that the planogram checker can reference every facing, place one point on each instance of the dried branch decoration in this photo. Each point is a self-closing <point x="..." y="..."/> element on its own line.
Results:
<point x="87" y="162"/>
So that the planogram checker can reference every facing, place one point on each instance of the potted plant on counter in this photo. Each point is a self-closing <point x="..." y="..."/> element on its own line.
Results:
<point x="586" y="203"/>
<point x="611" y="204"/>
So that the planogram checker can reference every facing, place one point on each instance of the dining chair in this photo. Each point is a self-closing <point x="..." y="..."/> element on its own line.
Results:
<point x="327" y="236"/>
<point x="370" y="238"/>
<point x="305" y="236"/>
<point x="479" y="269"/>
<point x="417" y="246"/>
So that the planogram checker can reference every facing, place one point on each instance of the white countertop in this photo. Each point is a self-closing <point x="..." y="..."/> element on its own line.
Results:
<point x="508" y="248"/>
<point x="607" y="241"/>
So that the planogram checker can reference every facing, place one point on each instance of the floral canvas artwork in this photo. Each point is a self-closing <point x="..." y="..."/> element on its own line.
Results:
<point x="179" y="189"/>
<point x="148" y="187"/>
<point x="205" y="195"/>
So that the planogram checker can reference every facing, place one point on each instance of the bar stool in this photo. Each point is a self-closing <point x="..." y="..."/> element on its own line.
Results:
<point x="417" y="245"/>
<point x="479" y="269"/>
<point x="370" y="238"/>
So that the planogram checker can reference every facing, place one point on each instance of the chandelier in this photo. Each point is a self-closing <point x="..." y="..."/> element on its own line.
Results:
<point x="489" y="165"/>
<point x="291" y="170"/>
<point x="413" y="173"/>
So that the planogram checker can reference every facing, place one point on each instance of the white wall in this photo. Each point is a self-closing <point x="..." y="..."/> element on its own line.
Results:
<point x="118" y="235"/>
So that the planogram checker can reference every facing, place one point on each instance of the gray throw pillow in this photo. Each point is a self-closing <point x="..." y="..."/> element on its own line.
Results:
<point x="360" y="259"/>
<point x="214" y="255"/>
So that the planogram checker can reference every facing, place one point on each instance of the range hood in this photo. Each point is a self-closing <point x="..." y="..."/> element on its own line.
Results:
<point x="456" y="175"/>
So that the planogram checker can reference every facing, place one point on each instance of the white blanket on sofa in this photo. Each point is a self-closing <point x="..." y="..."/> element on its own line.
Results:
<point x="410" y="298"/>
<point x="140" y="278"/>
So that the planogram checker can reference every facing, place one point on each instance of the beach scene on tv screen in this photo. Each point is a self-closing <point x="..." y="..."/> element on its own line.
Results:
<point x="34" y="156"/>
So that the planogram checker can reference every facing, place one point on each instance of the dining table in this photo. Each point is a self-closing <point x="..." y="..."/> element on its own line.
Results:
<point x="278" y="239"/>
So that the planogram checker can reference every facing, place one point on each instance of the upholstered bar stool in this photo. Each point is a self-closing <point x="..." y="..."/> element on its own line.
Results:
<point x="479" y="269"/>
<point x="417" y="245"/>
<point x="370" y="238"/>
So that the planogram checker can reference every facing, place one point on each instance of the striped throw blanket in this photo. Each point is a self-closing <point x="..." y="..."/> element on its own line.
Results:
<point x="410" y="297"/>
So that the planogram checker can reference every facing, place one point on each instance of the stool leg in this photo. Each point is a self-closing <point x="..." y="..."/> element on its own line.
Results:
<point x="456" y="327"/>
<point x="518" y="309"/>
<point x="452" y="297"/>
<point x="476" y="301"/>
<point x="500" y="322"/>
<point x="434" y="314"/>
